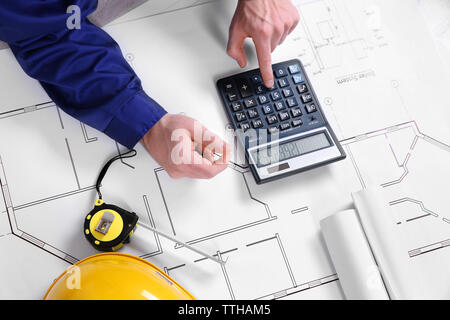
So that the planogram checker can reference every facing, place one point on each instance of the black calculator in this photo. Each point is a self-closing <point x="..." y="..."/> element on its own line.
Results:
<point x="282" y="129"/>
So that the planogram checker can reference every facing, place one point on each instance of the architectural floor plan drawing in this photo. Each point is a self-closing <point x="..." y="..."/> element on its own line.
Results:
<point x="384" y="95"/>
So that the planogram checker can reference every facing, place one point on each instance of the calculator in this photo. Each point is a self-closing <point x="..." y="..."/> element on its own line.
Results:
<point x="282" y="130"/>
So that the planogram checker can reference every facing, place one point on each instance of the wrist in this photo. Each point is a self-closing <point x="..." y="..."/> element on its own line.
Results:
<point x="155" y="131"/>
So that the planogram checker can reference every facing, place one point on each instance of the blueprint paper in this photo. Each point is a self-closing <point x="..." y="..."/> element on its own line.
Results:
<point x="437" y="18"/>
<point x="355" y="265"/>
<point x="388" y="246"/>
<point x="384" y="95"/>
<point x="109" y="10"/>
<point x="156" y="7"/>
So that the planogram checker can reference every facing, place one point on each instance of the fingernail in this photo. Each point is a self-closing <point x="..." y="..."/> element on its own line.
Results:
<point x="270" y="83"/>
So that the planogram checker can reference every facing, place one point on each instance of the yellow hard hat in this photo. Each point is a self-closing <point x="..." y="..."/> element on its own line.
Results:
<point x="115" y="276"/>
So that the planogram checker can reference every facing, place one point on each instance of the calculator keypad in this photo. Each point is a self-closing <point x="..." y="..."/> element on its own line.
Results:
<point x="288" y="105"/>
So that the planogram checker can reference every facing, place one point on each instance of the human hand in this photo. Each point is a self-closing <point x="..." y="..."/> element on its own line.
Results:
<point x="185" y="148"/>
<point x="268" y="23"/>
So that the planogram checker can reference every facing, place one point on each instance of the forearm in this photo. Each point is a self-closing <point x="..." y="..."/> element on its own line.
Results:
<point x="84" y="73"/>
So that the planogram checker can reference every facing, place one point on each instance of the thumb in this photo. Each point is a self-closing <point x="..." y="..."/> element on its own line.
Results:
<point x="235" y="47"/>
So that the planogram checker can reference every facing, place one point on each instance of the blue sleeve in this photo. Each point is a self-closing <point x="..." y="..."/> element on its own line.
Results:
<point x="82" y="70"/>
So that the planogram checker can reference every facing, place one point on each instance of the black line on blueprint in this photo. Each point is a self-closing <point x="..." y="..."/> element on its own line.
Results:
<point x="34" y="244"/>
<point x="341" y="21"/>
<point x="217" y="234"/>
<point x="214" y="255"/>
<point x="176" y="267"/>
<point x="404" y="174"/>
<point x="152" y="224"/>
<point x="416" y="202"/>
<point x="14" y="216"/>
<point x="44" y="103"/>
<point x="11" y="111"/>
<point x="85" y="134"/>
<point x="311" y="43"/>
<point x="299" y="210"/>
<point x="286" y="261"/>
<point x="419" y="251"/>
<point x="301" y="287"/>
<point x="419" y="217"/>
<point x="4" y="196"/>
<point x="376" y="133"/>
<point x="231" y="230"/>
<point x="41" y="243"/>
<point x="60" y="118"/>
<point x="59" y="196"/>
<point x="73" y="164"/>
<point x="164" y="199"/>
<point x="225" y="274"/>
<point x="234" y="164"/>
<point x="269" y="214"/>
<point x="355" y="166"/>
<point x="392" y="150"/>
<point x="435" y="142"/>
<point x="260" y="241"/>
<point x="21" y="111"/>
<point x="413" y="144"/>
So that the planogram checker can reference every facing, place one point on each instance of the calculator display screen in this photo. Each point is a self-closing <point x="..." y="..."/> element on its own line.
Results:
<point x="291" y="149"/>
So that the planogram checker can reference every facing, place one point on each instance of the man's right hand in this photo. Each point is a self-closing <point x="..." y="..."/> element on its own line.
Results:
<point x="185" y="148"/>
<point x="268" y="23"/>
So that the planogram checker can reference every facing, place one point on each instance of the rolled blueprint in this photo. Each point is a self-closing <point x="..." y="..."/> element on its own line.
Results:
<point x="352" y="258"/>
<point x="401" y="279"/>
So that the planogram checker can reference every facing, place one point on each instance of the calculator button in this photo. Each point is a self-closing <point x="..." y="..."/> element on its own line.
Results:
<point x="236" y="106"/>
<point x="296" y="112"/>
<point x="302" y="88"/>
<point x="272" y="119"/>
<point x="272" y="130"/>
<point x="244" y="88"/>
<point x="298" y="78"/>
<point x="256" y="79"/>
<point x="285" y="126"/>
<point x="295" y="68"/>
<point x="250" y="103"/>
<point x="229" y="86"/>
<point x="260" y="88"/>
<point x="306" y="98"/>
<point x="232" y="96"/>
<point x="267" y="109"/>
<point x="263" y="99"/>
<point x="297" y="123"/>
<point x="284" y="116"/>
<point x="279" y="105"/>
<point x="287" y="93"/>
<point x="280" y="72"/>
<point x="311" y="108"/>
<point x="275" y="95"/>
<point x="257" y="123"/>
<point x="253" y="113"/>
<point x="283" y="83"/>
<point x="240" y="116"/>
<point x="291" y="102"/>
<point x="245" y="126"/>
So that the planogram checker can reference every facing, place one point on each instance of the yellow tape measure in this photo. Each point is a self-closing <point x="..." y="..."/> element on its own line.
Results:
<point x="108" y="227"/>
